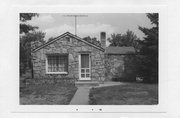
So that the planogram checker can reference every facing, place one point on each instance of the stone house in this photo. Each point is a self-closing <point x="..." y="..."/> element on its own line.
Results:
<point x="69" y="56"/>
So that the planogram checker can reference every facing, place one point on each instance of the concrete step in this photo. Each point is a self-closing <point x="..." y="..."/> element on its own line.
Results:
<point x="86" y="83"/>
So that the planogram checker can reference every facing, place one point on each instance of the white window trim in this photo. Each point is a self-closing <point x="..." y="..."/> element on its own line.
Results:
<point x="56" y="72"/>
<point x="52" y="72"/>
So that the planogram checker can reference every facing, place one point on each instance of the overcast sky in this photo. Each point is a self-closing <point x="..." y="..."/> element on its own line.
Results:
<point x="56" y="24"/>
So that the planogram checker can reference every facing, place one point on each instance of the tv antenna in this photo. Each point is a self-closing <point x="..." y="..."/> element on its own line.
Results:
<point x="75" y="18"/>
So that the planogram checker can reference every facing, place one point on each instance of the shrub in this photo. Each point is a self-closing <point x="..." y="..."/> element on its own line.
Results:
<point x="128" y="73"/>
<point x="116" y="79"/>
<point x="63" y="81"/>
<point x="145" y="69"/>
<point x="92" y="100"/>
<point x="124" y="79"/>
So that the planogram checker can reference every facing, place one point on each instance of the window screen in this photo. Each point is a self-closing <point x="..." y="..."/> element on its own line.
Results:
<point x="84" y="60"/>
<point x="57" y="63"/>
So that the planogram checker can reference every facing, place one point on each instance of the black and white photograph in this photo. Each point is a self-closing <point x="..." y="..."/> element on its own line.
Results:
<point x="85" y="58"/>
<point x="88" y="58"/>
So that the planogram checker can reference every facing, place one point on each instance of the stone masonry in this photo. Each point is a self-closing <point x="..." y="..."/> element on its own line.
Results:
<point x="114" y="65"/>
<point x="73" y="48"/>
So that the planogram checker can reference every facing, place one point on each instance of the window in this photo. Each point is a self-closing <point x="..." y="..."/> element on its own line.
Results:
<point x="68" y="39"/>
<point x="57" y="64"/>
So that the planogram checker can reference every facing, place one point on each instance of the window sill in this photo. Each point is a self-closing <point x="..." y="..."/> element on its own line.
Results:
<point x="56" y="73"/>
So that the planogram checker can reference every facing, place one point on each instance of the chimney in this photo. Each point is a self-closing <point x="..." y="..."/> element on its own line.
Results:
<point x="103" y="39"/>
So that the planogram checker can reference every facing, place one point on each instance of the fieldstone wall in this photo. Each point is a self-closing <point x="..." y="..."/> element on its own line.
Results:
<point x="73" y="48"/>
<point x="114" y="65"/>
<point x="62" y="81"/>
<point x="121" y="67"/>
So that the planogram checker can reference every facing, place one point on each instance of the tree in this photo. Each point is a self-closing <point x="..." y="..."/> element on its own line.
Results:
<point x="92" y="40"/>
<point x="26" y="41"/>
<point x="25" y="28"/>
<point x="50" y="39"/>
<point x="149" y="50"/>
<point x="127" y="39"/>
<point x="116" y="40"/>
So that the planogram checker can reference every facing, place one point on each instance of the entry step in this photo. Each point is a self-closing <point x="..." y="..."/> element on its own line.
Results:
<point x="86" y="83"/>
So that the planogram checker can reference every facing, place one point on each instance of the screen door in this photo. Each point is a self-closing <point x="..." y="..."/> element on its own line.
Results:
<point x="85" y="67"/>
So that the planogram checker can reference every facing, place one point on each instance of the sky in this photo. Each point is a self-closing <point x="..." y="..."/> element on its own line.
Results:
<point x="55" y="24"/>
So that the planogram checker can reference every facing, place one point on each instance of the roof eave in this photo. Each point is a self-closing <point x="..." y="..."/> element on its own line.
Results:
<point x="67" y="33"/>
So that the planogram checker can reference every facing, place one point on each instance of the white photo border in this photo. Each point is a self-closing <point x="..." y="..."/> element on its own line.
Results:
<point x="163" y="67"/>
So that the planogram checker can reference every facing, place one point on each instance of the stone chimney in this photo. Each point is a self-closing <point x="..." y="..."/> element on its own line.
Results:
<point x="103" y="39"/>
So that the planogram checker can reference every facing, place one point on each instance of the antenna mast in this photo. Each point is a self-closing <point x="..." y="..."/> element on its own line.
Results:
<point x="75" y="18"/>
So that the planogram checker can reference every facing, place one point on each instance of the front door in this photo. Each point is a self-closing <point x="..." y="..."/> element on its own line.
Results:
<point x="84" y="72"/>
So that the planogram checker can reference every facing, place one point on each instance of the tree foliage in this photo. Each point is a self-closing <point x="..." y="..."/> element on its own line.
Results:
<point x="149" y="50"/>
<point x="25" y="28"/>
<point x="92" y="40"/>
<point x="28" y="36"/>
<point x="127" y="39"/>
<point x="50" y="39"/>
<point x="26" y="41"/>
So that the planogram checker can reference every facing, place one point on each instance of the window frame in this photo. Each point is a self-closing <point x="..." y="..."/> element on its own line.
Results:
<point x="47" y="72"/>
<point x="90" y="73"/>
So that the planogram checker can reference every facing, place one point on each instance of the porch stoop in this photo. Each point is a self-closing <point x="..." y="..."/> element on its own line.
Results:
<point x="86" y="83"/>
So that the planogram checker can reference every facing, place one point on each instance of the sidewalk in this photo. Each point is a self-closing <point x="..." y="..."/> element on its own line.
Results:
<point x="81" y="96"/>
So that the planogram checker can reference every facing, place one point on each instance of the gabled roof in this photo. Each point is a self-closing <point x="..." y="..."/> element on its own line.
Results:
<point x="120" y="50"/>
<point x="71" y="35"/>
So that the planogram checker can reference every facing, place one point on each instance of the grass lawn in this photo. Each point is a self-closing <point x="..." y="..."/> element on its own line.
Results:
<point x="127" y="94"/>
<point x="48" y="94"/>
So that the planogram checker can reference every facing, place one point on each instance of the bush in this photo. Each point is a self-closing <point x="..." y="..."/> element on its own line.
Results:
<point x="128" y="74"/>
<point x="62" y="81"/>
<point x="145" y="69"/>
<point x="124" y="79"/>
<point x="116" y="79"/>
<point x="92" y="100"/>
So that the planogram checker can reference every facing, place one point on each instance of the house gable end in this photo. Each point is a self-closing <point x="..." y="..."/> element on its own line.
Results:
<point x="70" y="35"/>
